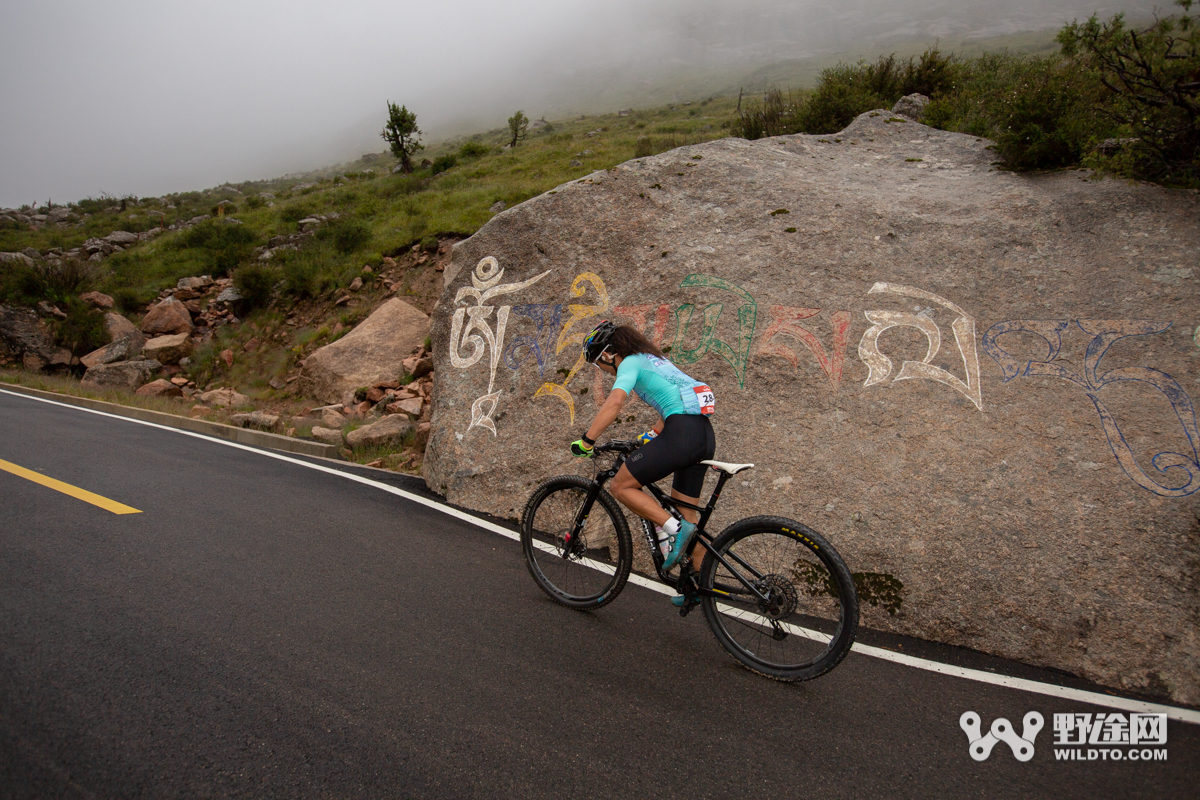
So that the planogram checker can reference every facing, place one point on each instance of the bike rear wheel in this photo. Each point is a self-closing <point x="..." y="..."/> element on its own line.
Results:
<point x="807" y="622"/>
<point x="590" y="571"/>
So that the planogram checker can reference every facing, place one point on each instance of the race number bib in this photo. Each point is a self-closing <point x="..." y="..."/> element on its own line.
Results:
<point x="706" y="399"/>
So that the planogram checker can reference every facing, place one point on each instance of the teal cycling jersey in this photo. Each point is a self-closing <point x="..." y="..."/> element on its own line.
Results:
<point x="663" y="386"/>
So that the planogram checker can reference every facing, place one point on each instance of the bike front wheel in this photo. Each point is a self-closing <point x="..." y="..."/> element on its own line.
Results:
<point x="581" y="572"/>
<point x="785" y="606"/>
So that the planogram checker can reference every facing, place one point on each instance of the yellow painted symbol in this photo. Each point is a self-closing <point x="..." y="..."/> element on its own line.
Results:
<point x="66" y="488"/>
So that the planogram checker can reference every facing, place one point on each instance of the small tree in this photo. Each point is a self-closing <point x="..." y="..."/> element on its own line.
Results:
<point x="401" y="134"/>
<point x="1153" y="76"/>
<point x="518" y="125"/>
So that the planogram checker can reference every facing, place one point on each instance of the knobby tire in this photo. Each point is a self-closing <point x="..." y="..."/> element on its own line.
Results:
<point x="575" y="582"/>
<point x="809" y="625"/>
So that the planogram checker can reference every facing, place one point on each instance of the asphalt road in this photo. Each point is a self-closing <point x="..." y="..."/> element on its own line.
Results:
<point x="262" y="629"/>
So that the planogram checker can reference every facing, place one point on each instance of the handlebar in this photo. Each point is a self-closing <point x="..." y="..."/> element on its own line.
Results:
<point x="616" y="446"/>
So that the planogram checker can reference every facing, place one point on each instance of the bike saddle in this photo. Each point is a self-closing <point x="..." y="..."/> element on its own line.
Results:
<point x="732" y="469"/>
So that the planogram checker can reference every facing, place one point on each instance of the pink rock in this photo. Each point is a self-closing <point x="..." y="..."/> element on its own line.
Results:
<point x="159" y="388"/>
<point x="169" y="316"/>
<point x="97" y="300"/>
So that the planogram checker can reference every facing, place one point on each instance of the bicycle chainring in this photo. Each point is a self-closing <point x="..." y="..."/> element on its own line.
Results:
<point x="782" y="598"/>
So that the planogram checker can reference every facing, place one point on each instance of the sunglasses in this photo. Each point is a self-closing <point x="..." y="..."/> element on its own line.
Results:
<point x="596" y="361"/>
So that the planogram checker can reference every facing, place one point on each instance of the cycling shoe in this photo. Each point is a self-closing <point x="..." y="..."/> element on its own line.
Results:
<point x="677" y="543"/>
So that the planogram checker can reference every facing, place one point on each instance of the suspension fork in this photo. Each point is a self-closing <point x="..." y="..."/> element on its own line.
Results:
<point x="572" y="541"/>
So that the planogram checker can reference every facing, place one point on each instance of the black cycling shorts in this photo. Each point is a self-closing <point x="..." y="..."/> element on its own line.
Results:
<point x="685" y="440"/>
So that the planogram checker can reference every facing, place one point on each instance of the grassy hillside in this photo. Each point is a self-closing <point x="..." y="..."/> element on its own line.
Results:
<point x="380" y="214"/>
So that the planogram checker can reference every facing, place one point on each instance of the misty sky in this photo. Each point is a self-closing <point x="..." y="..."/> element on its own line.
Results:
<point x="143" y="98"/>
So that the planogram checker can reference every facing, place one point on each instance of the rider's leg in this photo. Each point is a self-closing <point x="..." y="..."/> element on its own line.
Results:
<point x="626" y="488"/>
<point x="692" y="517"/>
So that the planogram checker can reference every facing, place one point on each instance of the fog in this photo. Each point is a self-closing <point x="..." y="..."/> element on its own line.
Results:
<point x="132" y="97"/>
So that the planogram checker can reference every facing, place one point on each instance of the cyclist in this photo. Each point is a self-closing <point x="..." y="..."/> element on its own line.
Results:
<point x="682" y="436"/>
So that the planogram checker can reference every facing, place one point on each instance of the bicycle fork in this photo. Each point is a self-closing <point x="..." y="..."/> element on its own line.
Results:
<point x="573" y="539"/>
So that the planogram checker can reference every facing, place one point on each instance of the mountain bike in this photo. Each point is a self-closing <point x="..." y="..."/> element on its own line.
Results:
<point x="775" y="593"/>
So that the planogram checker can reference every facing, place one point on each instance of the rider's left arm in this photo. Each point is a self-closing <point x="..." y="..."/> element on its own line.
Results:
<point x="608" y="412"/>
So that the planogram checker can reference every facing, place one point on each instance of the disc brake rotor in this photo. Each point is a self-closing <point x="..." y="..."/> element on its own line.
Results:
<point x="782" y="598"/>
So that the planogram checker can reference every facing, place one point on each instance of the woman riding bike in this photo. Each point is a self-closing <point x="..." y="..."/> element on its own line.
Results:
<point x="682" y="437"/>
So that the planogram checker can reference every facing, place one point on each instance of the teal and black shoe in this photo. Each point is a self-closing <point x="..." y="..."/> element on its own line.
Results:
<point x="678" y="601"/>
<point x="678" y="542"/>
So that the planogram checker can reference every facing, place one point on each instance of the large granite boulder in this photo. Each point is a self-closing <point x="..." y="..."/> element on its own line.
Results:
<point x="370" y="354"/>
<point x="25" y="339"/>
<point x="976" y="383"/>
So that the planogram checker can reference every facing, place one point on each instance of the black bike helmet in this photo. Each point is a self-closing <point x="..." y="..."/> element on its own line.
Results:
<point x="595" y="342"/>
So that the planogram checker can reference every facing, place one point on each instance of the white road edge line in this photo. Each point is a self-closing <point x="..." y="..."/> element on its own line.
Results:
<point x="980" y="676"/>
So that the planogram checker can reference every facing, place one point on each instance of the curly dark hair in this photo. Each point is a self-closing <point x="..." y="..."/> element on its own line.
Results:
<point x="627" y="341"/>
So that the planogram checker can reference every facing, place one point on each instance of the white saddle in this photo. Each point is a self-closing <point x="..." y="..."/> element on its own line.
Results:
<point x="732" y="469"/>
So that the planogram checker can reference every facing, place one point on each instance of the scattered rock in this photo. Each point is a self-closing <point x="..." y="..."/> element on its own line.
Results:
<point x="328" y="435"/>
<point x="227" y="357"/>
<point x="387" y="431"/>
<point x="169" y="316"/>
<point x="422" y="437"/>
<point x="121" y="238"/>
<point x="168" y="349"/>
<point x="256" y="419"/>
<point x="97" y="300"/>
<point x="16" y="258"/>
<point x="498" y="206"/>
<point x="411" y="407"/>
<point x="223" y="398"/>
<point x="24" y="338"/>
<point x="47" y="309"/>
<point x="120" y="350"/>
<point x="419" y="366"/>
<point x="911" y="106"/>
<point x="127" y="375"/>
<point x="118" y="327"/>
<point x="160" y="388"/>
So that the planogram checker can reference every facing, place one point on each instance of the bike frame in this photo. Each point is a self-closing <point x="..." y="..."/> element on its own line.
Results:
<point x="685" y="583"/>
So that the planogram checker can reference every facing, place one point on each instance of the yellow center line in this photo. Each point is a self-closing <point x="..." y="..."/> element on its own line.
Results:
<point x="66" y="488"/>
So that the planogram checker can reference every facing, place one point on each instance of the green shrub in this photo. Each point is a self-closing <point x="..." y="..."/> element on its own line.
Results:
<point x="294" y="212"/>
<point x="474" y="150"/>
<point x="21" y="285"/>
<point x="305" y="271"/>
<point x="83" y="329"/>
<point x="845" y="91"/>
<point x="443" y="163"/>
<point x="223" y="244"/>
<point x="346" y="235"/>
<point x="1040" y="112"/>
<point x="129" y="300"/>
<point x="254" y="282"/>
<point x="1151" y="96"/>
<point x="1040" y="123"/>
<point x="56" y="282"/>
<point x="94" y="205"/>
